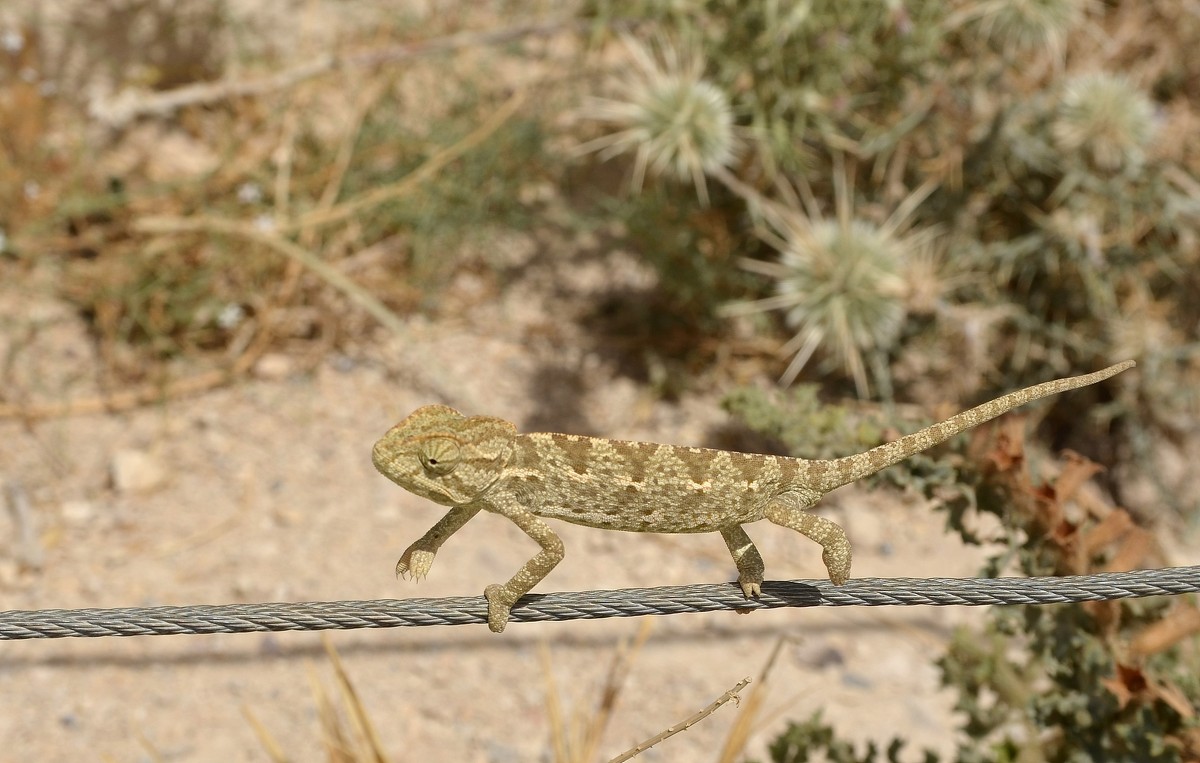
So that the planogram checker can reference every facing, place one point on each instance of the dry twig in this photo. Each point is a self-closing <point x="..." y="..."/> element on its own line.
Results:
<point x="686" y="724"/>
<point x="123" y="401"/>
<point x="28" y="550"/>
<point x="129" y="105"/>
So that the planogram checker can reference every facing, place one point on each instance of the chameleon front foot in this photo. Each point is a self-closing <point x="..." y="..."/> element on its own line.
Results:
<point x="499" y="607"/>
<point x="415" y="563"/>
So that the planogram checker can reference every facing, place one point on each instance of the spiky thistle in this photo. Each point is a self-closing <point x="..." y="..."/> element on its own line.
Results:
<point x="840" y="281"/>
<point x="668" y="115"/>
<point x="1107" y="118"/>
<point x="1026" y="26"/>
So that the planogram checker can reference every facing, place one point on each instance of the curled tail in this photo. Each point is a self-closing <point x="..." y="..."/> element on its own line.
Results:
<point x="842" y="471"/>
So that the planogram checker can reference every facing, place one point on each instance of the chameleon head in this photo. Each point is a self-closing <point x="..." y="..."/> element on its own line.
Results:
<point x="440" y="454"/>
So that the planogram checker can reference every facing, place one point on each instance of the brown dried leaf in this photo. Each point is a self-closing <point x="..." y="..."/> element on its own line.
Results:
<point x="1181" y="623"/>
<point x="1131" y="683"/>
<point x="1006" y="451"/>
<point x="1076" y="471"/>
<point x="1049" y="514"/>
<point x="1107" y="531"/>
<point x="1135" y="549"/>
<point x="1127" y="683"/>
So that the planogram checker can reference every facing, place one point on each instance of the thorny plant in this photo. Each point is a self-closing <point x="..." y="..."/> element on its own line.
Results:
<point x="1065" y="195"/>
<point x="667" y="115"/>
<point x="841" y="282"/>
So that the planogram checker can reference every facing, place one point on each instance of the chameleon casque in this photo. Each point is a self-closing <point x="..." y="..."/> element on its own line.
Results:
<point x="481" y="463"/>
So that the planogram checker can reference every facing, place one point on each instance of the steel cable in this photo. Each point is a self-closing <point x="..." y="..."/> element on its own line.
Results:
<point x="591" y="605"/>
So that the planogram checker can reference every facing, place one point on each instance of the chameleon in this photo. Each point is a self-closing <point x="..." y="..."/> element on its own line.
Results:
<point x="481" y="463"/>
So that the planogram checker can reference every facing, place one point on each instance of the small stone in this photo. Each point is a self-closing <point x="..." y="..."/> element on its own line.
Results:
<point x="77" y="512"/>
<point x="10" y="573"/>
<point x="136" y="471"/>
<point x="273" y="366"/>
<point x="342" y="363"/>
<point x="819" y="655"/>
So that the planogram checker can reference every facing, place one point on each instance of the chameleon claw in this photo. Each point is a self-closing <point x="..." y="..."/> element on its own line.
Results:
<point x="414" y="564"/>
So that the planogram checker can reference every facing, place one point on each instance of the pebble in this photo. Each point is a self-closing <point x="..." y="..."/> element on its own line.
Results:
<point x="77" y="512"/>
<point x="136" y="471"/>
<point x="273" y="366"/>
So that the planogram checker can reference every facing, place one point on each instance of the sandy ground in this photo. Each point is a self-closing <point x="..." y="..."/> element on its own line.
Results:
<point x="265" y="492"/>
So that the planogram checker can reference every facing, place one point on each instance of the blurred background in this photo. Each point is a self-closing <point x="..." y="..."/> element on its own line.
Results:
<point x="239" y="240"/>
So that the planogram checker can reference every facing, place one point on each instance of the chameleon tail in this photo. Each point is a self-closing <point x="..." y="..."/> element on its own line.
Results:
<point x="842" y="471"/>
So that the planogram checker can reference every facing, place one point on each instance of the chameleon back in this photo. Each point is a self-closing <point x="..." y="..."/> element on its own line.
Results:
<point x="639" y="486"/>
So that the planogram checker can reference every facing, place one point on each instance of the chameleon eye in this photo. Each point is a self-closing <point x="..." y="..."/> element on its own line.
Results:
<point x="439" y="456"/>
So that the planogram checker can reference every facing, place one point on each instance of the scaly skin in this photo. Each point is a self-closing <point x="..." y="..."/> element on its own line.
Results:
<point x="482" y="463"/>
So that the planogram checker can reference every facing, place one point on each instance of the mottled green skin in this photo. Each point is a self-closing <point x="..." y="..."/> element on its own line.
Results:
<point x="482" y="463"/>
<point x="645" y="487"/>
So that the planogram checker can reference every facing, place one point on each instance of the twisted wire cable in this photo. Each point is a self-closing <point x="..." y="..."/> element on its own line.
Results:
<point x="591" y="605"/>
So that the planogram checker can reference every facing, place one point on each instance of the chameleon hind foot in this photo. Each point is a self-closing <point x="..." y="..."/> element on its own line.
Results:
<point x="499" y="607"/>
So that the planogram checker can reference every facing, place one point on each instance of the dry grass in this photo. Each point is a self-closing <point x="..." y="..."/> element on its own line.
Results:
<point x="577" y="730"/>
<point x="576" y="734"/>
<point x="217" y="220"/>
<point x="347" y="732"/>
